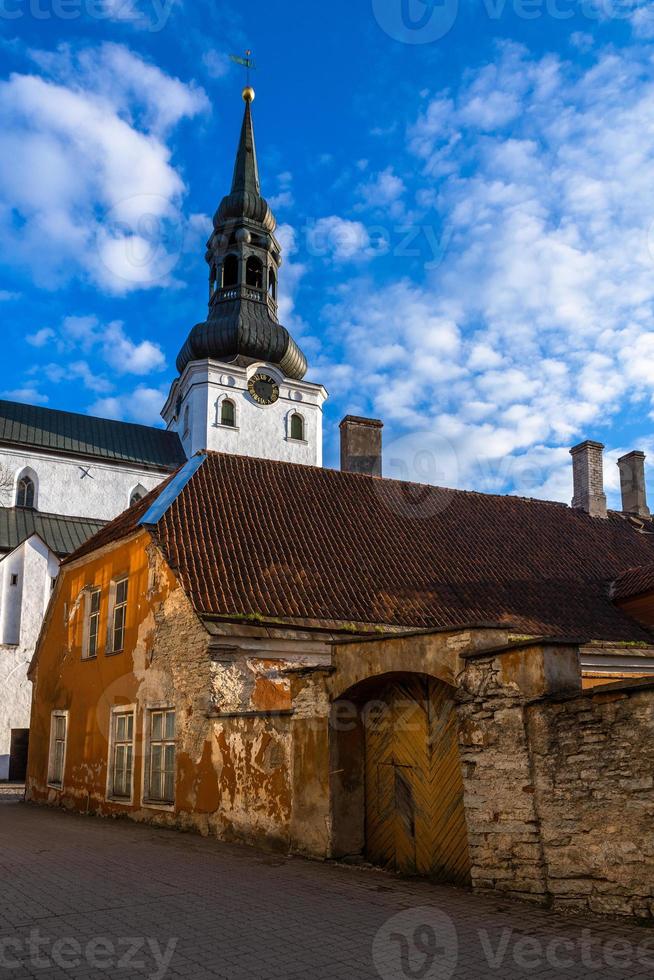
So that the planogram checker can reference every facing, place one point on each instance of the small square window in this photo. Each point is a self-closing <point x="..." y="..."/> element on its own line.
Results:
<point x="14" y="580"/>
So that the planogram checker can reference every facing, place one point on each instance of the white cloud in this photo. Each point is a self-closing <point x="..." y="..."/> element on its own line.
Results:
<point x="41" y="337"/>
<point x="29" y="394"/>
<point x="383" y="191"/>
<point x="216" y="63"/>
<point x="85" y="167"/>
<point x="122" y="354"/>
<point x="341" y="240"/>
<point x="537" y="328"/>
<point x="126" y="357"/>
<point x="142" y="405"/>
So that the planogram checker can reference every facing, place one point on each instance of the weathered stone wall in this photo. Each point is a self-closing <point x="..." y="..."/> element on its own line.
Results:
<point x="559" y="788"/>
<point x="503" y="827"/>
<point x="593" y="765"/>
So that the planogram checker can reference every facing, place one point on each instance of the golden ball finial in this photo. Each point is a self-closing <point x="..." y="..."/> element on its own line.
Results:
<point x="248" y="94"/>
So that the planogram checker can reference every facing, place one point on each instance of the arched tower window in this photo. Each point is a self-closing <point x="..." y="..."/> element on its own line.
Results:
<point x="297" y="426"/>
<point x="230" y="271"/>
<point x="26" y="491"/>
<point x="272" y="284"/>
<point x="228" y="413"/>
<point x="254" y="272"/>
<point x="138" y="493"/>
<point x="187" y="421"/>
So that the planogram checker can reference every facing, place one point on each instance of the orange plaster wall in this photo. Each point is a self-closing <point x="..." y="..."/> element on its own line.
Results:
<point x="88" y="689"/>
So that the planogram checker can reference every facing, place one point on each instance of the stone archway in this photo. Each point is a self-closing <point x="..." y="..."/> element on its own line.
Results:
<point x="397" y="787"/>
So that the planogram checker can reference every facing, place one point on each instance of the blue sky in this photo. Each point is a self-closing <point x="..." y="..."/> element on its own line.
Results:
<point x="465" y="193"/>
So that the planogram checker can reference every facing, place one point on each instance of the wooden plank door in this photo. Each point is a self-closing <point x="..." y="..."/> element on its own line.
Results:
<point x="415" y="820"/>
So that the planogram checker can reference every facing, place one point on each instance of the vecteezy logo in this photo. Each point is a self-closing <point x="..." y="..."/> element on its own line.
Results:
<point x="416" y="21"/>
<point x="417" y="944"/>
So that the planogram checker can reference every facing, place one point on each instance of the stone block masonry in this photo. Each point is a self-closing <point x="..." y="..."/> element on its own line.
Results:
<point x="593" y="762"/>
<point x="559" y="787"/>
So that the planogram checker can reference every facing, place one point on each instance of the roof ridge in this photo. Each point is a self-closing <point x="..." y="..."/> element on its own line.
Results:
<point x="84" y="415"/>
<point x="387" y="479"/>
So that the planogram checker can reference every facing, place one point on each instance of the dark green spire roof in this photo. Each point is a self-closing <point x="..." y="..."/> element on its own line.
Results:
<point x="242" y="321"/>
<point x="245" y="200"/>
<point x="246" y="171"/>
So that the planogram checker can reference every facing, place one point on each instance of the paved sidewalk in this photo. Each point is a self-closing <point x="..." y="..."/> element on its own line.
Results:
<point x="81" y="896"/>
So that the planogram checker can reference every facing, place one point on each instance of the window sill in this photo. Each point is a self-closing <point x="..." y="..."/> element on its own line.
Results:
<point x="153" y="805"/>
<point x="58" y="786"/>
<point x="119" y="800"/>
<point x="114" y="653"/>
<point x="221" y="425"/>
<point x="89" y="659"/>
<point x="298" y="442"/>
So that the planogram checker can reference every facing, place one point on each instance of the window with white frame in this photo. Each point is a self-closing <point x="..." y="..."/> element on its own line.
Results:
<point x="160" y="785"/>
<point x="92" y="624"/>
<point x="119" y="615"/>
<point x="57" y="758"/>
<point x="121" y="757"/>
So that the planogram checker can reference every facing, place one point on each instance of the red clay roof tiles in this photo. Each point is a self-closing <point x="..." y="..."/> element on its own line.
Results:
<point x="252" y="537"/>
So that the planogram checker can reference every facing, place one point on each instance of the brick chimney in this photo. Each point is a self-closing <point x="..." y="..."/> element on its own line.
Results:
<point x="588" y="478"/>
<point x="361" y="445"/>
<point x="632" y="484"/>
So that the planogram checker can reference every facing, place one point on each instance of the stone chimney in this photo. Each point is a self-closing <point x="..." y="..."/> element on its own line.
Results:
<point x="588" y="478"/>
<point x="361" y="445"/>
<point x="632" y="484"/>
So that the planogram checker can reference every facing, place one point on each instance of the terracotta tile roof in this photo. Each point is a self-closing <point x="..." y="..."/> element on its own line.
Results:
<point x="633" y="582"/>
<point x="254" y="537"/>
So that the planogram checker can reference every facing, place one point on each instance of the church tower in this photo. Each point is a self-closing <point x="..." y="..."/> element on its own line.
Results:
<point x="240" y="387"/>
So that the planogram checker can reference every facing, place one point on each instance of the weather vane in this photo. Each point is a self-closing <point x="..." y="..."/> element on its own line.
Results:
<point x="249" y="64"/>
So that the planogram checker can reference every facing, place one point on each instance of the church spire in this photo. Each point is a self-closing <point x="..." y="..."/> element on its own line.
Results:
<point x="244" y="258"/>
<point x="246" y="170"/>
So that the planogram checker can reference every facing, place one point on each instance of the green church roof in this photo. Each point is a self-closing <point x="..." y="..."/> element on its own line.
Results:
<point x="35" y="427"/>
<point x="63" y="535"/>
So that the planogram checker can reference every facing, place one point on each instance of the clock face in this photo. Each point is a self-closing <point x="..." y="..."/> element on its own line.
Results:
<point x="263" y="389"/>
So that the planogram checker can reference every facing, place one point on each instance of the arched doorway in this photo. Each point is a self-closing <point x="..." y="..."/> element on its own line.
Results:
<point x="399" y="765"/>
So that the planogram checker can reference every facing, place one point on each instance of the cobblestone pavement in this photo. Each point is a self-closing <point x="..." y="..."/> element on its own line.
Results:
<point x="81" y="896"/>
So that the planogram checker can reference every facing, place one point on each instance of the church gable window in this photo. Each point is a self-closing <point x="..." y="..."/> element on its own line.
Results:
<point x="138" y="493"/>
<point x="254" y="272"/>
<point x="26" y="492"/>
<point x="230" y="271"/>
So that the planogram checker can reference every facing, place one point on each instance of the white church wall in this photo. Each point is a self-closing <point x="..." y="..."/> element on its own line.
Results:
<point x="63" y="488"/>
<point x="262" y="431"/>
<point x="22" y="608"/>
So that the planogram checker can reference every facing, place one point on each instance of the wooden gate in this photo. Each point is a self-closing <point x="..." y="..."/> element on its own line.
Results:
<point x="415" y="819"/>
